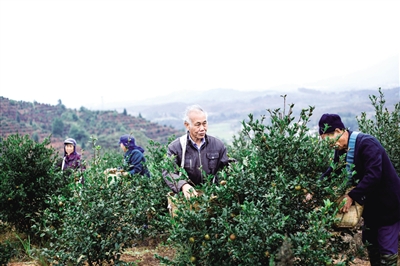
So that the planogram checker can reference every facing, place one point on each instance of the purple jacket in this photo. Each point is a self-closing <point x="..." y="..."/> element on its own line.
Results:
<point x="72" y="161"/>
<point x="379" y="186"/>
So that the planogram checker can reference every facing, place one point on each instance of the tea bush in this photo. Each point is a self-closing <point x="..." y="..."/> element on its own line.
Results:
<point x="7" y="251"/>
<point x="259" y="208"/>
<point x="385" y="127"/>
<point x="26" y="178"/>
<point x="104" y="216"/>
<point x="257" y="215"/>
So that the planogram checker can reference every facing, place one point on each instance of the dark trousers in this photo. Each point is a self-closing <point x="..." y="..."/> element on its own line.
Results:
<point x="384" y="238"/>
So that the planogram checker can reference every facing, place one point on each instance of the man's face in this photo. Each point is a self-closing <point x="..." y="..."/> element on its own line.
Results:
<point x="69" y="148"/>
<point x="198" y="126"/>
<point x="336" y="139"/>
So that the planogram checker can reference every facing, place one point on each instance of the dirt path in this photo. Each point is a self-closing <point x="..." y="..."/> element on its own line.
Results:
<point x="144" y="256"/>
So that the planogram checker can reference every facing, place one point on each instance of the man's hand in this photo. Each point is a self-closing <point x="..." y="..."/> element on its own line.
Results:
<point x="308" y="196"/>
<point x="188" y="191"/>
<point x="347" y="205"/>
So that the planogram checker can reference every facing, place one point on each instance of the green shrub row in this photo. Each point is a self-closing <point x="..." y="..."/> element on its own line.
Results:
<point x="257" y="215"/>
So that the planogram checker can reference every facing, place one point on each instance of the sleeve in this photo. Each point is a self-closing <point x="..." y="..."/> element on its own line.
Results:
<point x="223" y="162"/>
<point x="174" y="180"/>
<point x="224" y="158"/>
<point x="79" y="164"/>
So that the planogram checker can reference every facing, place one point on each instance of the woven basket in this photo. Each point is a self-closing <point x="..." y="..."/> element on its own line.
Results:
<point x="112" y="175"/>
<point x="172" y="201"/>
<point x="351" y="218"/>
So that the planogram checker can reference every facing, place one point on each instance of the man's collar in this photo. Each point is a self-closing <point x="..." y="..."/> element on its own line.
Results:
<point x="203" y="140"/>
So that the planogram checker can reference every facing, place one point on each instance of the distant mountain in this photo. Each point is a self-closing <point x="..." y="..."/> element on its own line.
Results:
<point x="223" y="108"/>
<point x="42" y="120"/>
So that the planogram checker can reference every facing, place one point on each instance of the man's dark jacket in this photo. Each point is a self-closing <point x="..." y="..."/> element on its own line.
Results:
<point x="379" y="186"/>
<point x="211" y="158"/>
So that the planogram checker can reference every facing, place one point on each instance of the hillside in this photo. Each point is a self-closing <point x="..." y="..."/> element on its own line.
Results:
<point x="161" y="117"/>
<point x="42" y="120"/>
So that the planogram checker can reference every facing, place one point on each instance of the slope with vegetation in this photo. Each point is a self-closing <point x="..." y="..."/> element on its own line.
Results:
<point x="42" y="120"/>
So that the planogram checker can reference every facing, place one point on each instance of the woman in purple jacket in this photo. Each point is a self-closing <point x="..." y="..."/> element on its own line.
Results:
<point x="378" y="189"/>
<point x="72" y="159"/>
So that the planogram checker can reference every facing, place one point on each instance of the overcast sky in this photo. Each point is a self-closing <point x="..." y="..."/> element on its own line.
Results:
<point x="86" y="52"/>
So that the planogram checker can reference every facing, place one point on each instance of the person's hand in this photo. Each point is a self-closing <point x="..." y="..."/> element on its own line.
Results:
<point x="110" y="171"/>
<point x="308" y="196"/>
<point x="347" y="205"/>
<point x="188" y="191"/>
<point x="124" y="173"/>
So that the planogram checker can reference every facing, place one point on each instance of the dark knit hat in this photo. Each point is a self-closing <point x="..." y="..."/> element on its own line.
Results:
<point x="129" y="142"/>
<point x="331" y="122"/>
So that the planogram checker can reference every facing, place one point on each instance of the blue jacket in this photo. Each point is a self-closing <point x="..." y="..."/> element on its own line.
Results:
<point x="379" y="186"/>
<point x="133" y="162"/>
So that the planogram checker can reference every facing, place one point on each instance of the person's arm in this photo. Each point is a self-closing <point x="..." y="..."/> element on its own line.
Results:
<point x="223" y="162"/>
<point x="79" y="165"/>
<point x="326" y="174"/>
<point x="174" y="181"/>
<point x="224" y="158"/>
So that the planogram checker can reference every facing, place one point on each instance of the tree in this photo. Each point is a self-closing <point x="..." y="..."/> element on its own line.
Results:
<point x="79" y="134"/>
<point x="259" y="207"/>
<point x="385" y="126"/>
<point x="57" y="127"/>
<point x="26" y="178"/>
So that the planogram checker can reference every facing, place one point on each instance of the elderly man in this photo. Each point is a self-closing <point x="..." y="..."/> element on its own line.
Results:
<point x="378" y="188"/>
<point x="200" y="153"/>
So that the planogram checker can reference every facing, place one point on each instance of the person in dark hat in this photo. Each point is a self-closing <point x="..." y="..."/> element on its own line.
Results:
<point x="378" y="188"/>
<point x="134" y="156"/>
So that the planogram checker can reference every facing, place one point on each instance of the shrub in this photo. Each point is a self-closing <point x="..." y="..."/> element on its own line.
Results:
<point x="385" y="127"/>
<point x="259" y="208"/>
<point x="104" y="216"/>
<point x="7" y="251"/>
<point x="26" y="178"/>
<point x="57" y="128"/>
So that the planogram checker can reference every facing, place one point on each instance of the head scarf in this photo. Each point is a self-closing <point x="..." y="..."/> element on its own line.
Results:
<point x="129" y="142"/>
<point x="70" y="141"/>
<point x="333" y="122"/>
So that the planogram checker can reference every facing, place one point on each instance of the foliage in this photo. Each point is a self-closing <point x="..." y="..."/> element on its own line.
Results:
<point x="104" y="216"/>
<point x="26" y="178"/>
<point x="259" y="206"/>
<point x="256" y="215"/>
<point x="79" y="133"/>
<point x="7" y="251"/>
<point x="385" y="127"/>
<point x="57" y="127"/>
<point x="61" y="122"/>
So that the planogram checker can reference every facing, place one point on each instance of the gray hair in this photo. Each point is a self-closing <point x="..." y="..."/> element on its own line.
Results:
<point x="191" y="108"/>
